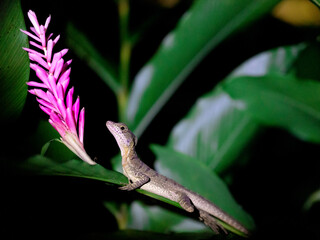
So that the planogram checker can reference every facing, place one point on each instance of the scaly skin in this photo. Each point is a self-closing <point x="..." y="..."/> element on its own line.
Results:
<point x="142" y="176"/>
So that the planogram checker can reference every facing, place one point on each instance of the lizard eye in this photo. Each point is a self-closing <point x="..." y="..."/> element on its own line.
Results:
<point x="122" y="128"/>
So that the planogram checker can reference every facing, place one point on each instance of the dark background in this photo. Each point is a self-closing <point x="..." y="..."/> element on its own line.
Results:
<point x="282" y="170"/>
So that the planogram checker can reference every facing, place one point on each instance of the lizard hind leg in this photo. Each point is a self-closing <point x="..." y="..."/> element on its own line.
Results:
<point x="211" y="222"/>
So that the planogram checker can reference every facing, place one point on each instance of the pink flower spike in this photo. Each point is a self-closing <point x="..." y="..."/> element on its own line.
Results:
<point x="60" y="91"/>
<point x="66" y="65"/>
<point x="34" y="31"/>
<point x="46" y="104"/>
<point x="69" y="99"/>
<point x="53" y="85"/>
<point x="63" y="52"/>
<point x="36" y="84"/>
<point x="37" y="58"/>
<point x="39" y="93"/>
<point x="42" y="75"/>
<point x="75" y="108"/>
<point x="50" y="35"/>
<point x="58" y="69"/>
<point x="62" y="108"/>
<point x="32" y="91"/>
<point x="49" y="50"/>
<point x="69" y="62"/>
<point x="65" y="84"/>
<point x="56" y="119"/>
<point x="34" y="66"/>
<point x="56" y="58"/>
<point x="35" y="44"/>
<point x="33" y="19"/>
<point x="70" y="121"/>
<point x="59" y="127"/>
<point x="81" y="125"/>
<point x="33" y="51"/>
<point x="54" y="74"/>
<point x="64" y="75"/>
<point x="53" y="101"/>
<point x="31" y="35"/>
<point x="56" y="40"/>
<point x="43" y="36"/>
<point x="47" y="22"/>
<point x="46" y="110"/>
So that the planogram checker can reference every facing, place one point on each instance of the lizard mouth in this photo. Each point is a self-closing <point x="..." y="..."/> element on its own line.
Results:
<point x="109" y="124"/>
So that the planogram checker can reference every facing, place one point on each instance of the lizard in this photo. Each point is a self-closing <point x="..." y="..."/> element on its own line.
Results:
<point x="142" y="176"/>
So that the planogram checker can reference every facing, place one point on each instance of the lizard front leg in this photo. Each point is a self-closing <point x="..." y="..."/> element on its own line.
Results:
<point x="142" y="179"/>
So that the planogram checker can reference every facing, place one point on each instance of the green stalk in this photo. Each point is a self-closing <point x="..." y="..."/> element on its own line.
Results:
<point x="125" y="54"/>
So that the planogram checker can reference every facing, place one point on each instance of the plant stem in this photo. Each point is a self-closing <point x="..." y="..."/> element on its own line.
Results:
<point x="125" y="54"/>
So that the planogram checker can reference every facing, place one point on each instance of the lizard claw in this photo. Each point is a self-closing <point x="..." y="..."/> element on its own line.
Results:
<point x="127" y="187"/>
<point x="211" y="222"/>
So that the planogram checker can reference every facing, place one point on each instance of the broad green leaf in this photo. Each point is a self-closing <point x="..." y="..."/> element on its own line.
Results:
<point x="215" y="131"/>
<point x="196" y="176"/>
<point x="199" y="174"/>
<point x="281" y="60"/>
<point x="85" y="50"/>
<point x="14" y="62"/>
<point x="60" y="166"/>
<point x="217" y="128"/>
<point x="202" y="27"/>
<point x="280" y="101"/>
<point x="73" y="168"/>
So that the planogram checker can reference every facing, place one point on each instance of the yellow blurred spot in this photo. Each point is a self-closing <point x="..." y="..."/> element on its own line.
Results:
<point x="297" y="12"/>
<point x="165" y="3"/>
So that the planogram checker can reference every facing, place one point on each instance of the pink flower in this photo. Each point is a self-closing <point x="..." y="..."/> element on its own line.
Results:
<point x="52" y="92"/>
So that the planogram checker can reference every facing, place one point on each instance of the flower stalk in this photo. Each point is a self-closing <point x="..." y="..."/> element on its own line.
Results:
<point x="52" y="92"/>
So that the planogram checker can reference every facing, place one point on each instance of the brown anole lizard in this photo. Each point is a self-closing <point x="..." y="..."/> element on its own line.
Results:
<point x="142" y="176"/>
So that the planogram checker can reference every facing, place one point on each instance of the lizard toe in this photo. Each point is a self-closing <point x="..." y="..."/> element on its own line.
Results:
<point x="127" y="187"/>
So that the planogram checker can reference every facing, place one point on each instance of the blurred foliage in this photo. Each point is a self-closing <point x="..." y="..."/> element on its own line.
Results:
<point x="14" y="67"/>
<point x="208" y="80"/>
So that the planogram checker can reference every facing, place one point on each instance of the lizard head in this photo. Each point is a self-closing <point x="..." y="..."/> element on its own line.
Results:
<point x="124" y="137"/>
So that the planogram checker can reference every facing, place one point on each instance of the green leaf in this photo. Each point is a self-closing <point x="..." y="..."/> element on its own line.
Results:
<point x="281" y="61"/>
<point x="280" y="101"/>
<point x="203" y="27"/>
<point x="76" y="168"/>
<point x="73" y="168"/>
<point x="215" y="131"/>
<point x="217" y="128"/>
<point x="45" y="148"/>
<point x="198" y="178"/>
<point x="85" y="50"/>
<point x="14" y="62"/>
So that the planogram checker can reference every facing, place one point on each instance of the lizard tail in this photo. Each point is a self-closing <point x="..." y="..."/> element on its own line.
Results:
<point x="207" y="206"/>
<point x="231" y="221"/>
